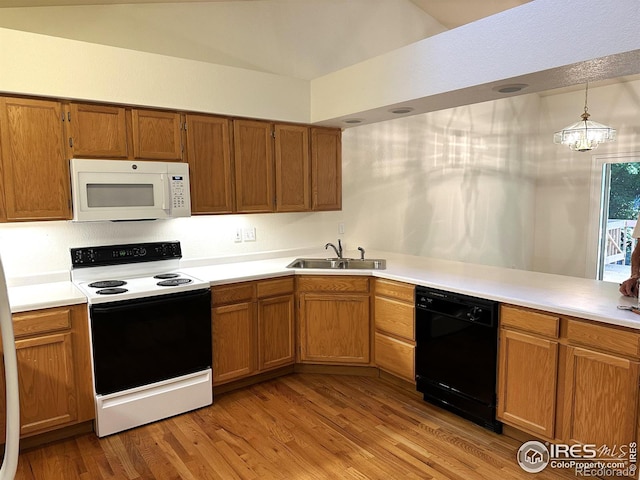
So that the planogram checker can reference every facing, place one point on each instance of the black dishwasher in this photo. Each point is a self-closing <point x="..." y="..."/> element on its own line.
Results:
<point x="456" y="354"/>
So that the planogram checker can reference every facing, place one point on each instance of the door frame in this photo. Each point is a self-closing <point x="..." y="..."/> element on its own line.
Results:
<point x="597" y="204"/>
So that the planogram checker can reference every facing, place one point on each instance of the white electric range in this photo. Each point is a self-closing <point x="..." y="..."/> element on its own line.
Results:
<point x="150" y="330"/>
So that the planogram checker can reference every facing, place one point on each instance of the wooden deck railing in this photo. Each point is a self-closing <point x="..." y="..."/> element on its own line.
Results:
<point x="618" y="237"/>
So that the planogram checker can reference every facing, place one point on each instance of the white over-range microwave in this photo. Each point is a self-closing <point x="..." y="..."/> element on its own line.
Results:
<point x="129" y="190"/>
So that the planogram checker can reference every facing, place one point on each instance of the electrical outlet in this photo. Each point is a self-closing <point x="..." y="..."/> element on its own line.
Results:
<point x="249" y="234"/>
<point x="238" y="237"/>
<point x="340" y="228"/>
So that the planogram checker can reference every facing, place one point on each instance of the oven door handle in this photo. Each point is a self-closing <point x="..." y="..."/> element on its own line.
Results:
<point x="146" y="302"/>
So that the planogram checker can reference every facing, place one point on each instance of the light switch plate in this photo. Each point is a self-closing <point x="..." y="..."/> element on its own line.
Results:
<point x="249" y="234"/>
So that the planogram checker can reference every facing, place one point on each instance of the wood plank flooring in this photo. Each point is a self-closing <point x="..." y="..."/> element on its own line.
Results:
<point x="301" y="426"/>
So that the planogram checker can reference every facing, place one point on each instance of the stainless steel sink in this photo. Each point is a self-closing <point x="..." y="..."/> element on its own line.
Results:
<point x="339" y="263"/>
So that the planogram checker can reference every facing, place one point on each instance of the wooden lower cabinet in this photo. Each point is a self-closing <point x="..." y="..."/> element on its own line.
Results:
<point x="568" y="380"/>
<point x="528" y="367"/>
<point x="233" y="341"/>
<point x="276" y="339"/>
<point x="600" y="398"/>
<point x="334" y="328"/>
<point x="334" y="320"/>
<point x="252" y="328"/>
<point x="395" y="336"/>
<point x="395" y="356"/>
<point x="54" y="369"/>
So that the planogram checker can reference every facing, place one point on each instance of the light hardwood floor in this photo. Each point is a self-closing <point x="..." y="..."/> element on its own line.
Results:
<point x="301" y="426"/>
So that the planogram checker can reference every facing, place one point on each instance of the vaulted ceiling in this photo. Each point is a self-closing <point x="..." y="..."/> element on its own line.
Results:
<point x="297" y="38"/>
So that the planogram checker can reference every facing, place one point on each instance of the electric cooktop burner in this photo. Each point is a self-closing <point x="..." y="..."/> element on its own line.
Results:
<point x="143" y="270"/>
<point x="108" y="284"/>
<point x="174" y="282"/>
<point x="163" y="276"/>
<point x="111" y="291"/>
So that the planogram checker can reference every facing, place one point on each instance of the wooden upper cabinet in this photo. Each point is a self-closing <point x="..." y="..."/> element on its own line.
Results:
<point x="326" y="168"/>
<point x="35" y="171"/>
<point x="292" y="168"/>
<point x="157" y="135"/>
<point x="253" y="159"/>
<point x="209" y="157"/>
<point x="98" y="131"/>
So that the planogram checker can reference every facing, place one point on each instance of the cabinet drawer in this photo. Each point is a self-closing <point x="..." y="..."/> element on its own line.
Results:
<point x="334" y="283"/>
<point x="271" y="288"/>
<point x="395" y="317"/>
<point x="395" y="356"/>
<point x="233" y="293"/>
<point x="41" y="321"/>
<point x="532" y="321"/>
<point x="603" y="337"/>
<point x="400" y="291"/>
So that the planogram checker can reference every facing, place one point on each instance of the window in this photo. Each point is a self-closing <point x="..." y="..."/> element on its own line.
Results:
<point x="620" y="207"/>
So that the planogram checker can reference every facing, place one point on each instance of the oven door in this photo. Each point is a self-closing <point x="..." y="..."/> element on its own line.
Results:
<point x="142" y="341"/>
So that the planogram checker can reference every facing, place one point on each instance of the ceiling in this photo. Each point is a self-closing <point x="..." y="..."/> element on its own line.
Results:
<point x="310" y="38"/>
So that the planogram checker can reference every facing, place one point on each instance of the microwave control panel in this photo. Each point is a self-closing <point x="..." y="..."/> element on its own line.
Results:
<point x="178" y="190"/>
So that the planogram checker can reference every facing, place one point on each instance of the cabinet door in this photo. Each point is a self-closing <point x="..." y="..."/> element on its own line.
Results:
<point x="54" y="369"/>
<point x="35" y="172"/>
<point x="157" y="135"/>
<point x="293" y="183"/>
<point x="47" y="382"/>
<point x="253" y="160"/>
<point x="97" y="131"/>
<point x="233" y="334"/>
<point x="209" y="157"/>
<point x="326" y="169"/>
<point x="334" y="328"/>
<point x="275" y="332"/>
<point x="600" y="398"/>
<point x="527" y="373"/>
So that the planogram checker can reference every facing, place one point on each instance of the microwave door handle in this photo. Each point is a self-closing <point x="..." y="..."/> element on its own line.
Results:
<point x="166" y="194"/>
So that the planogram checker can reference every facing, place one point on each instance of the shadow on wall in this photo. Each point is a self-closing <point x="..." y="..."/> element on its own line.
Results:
<point x="455" y="184"/>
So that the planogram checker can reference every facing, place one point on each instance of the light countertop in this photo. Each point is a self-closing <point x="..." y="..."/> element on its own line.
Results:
<point x="44" y="295"/>
<point x="578" y="297"/>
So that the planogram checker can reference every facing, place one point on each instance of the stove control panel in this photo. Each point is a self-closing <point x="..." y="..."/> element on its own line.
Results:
<point x="123" y="254"/>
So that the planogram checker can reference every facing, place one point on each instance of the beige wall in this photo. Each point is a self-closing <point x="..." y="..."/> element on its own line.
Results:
<point x="42" y="65"/>
<point x="456" y="184"/>
<point x="569" y="183"/>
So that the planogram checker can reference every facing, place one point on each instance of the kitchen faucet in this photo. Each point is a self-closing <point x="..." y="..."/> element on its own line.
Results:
<point x="337" y="250"/>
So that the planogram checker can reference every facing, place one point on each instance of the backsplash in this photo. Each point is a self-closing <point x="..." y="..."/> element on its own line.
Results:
<point x="37" y="248"/>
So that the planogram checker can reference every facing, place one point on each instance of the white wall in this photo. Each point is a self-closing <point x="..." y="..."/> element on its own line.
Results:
<point x="36" y="248"/>
<point x="456" y="184"/>
<point x="568" y="185"/>
<point x="34" y="64"/>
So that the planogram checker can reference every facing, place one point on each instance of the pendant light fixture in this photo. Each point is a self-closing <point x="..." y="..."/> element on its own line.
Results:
<point x="584" y="135"/>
